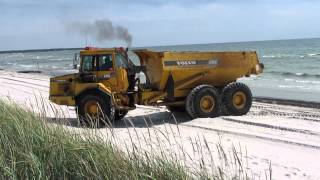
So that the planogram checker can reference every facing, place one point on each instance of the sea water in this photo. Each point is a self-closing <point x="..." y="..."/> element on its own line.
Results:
<point x="292" y="67"/>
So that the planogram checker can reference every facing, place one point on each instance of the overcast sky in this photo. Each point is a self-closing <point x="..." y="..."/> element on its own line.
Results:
<point x="31" y="24"/>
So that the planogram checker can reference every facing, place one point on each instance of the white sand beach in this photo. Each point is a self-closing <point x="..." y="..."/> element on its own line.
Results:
<point x="285" y="137"/>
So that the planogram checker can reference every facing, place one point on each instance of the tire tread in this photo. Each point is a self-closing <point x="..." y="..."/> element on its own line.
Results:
<point x="227" y="94"/>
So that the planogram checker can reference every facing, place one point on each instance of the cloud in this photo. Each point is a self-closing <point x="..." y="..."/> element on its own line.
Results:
<point x="160" y="22"/>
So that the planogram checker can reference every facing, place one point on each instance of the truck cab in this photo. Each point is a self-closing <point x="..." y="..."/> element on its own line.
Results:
<point x="106" y="66"/>
<point x="102" y="73"/>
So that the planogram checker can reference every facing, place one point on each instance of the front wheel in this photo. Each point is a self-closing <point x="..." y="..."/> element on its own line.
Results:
<point x="95" y="110"/>
<point x="236" y="99"/>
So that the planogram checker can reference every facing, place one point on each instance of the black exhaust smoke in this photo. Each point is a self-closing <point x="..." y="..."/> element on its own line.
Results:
<point x="101" y="30"/>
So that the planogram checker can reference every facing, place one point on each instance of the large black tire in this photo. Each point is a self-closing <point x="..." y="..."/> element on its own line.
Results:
<point x="180" y="108"/>
<point x="105" y="110"/>
<point x="120" y="114"/>
<point x="195" y="100"/>
<point x="236" y="99"/>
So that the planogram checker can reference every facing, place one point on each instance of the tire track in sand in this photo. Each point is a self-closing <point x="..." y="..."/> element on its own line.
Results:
<point x="254" y="136"/>
<point x="25" y="82"/>
<point x="303" y="131"/>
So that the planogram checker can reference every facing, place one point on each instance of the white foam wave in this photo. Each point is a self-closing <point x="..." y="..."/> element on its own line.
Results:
<point x="313" y="54"/>
<point x="10" y="63"/>
<point x="15" y="55"/>
<point x="295" y="87"/>
<point x="26" y="66"/>
<point x="308" y="82"/>
<point x="301" y="81"/>
<point x="268" y="56"/>
<point x="291" y="55"/>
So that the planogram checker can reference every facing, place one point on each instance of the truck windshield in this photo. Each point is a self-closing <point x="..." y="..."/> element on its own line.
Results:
<point x="88" y="63"/>
<point x="121" y="61"/>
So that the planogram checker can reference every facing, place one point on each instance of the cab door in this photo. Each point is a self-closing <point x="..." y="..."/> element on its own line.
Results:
<point x="106" y="72"/>
<point x="88" y="69"/>
<point x="112" y="72"/>
<point x="122" y="66"/>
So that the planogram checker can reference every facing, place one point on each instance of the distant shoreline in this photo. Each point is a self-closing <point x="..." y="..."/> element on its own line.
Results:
<point x="154" y="46"/>
<point x="38" y="50"/>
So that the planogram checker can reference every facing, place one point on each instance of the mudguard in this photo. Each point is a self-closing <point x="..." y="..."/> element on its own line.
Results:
<point x="92" y="88"/>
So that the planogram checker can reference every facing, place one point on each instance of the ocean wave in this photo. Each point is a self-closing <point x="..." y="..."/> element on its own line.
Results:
<point x="61" y="59"/>
<point x="291" y="74"/>
<point x="26" y="65"/>
<point x="302" y="81"/>
<point x="277" y="56"/>
<point x="15" y="55"/>
<point x="307" y="82"/>
<point x="268" y="56"/>
<point x="273" y="56"/>
<point x="311" y="55"/>
<point x="11" y="64"/>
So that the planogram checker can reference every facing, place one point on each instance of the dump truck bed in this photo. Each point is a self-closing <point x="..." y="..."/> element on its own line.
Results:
<point x="219" y="68"/>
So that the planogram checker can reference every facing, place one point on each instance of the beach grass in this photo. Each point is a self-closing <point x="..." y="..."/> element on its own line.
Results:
<point x="30" y="148"/>
<point x="33" y="148"/>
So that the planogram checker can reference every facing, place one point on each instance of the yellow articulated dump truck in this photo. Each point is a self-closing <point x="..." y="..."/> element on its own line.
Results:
<point x="203" y="84"/>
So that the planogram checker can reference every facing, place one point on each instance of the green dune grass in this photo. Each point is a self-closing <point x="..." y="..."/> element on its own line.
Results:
<point x="33" y="149"/>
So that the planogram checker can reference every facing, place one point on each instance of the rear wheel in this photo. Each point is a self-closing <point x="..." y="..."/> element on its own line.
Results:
<point x="203" y="101"/>
<point x="236" y="99"/>
<point x="95" y="110"/>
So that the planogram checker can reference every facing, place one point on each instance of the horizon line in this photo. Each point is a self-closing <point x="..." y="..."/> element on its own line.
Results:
<point x="78" y="48"/>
